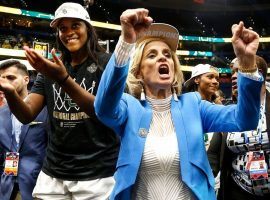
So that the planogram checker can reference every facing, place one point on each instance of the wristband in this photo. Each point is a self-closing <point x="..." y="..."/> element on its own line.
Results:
<point x="64" y="80"/>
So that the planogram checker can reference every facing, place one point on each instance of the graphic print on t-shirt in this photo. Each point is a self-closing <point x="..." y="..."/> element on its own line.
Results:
<point x="66" y="111"/>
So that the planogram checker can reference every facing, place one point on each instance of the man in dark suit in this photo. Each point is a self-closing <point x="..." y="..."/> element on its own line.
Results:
<point x="24" y="145"/>
<point x="238" y="179"/>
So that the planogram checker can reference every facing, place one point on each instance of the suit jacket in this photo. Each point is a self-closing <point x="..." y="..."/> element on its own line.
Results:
<point x="32" y="149"/>
<point x="191" y="116"/>
<point x="226" y="166"/>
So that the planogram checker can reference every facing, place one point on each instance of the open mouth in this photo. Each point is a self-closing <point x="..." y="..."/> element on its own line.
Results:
<point x="71" y="39"/>
<point x="163" y="69"/>
<point x="234" y="85"/>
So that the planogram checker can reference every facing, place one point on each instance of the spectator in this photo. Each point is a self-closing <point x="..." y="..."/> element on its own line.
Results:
<point x="82" y="152"/>
<point x="238" y="180"/>
<point x="27" y="141"/>
<point x="6" y="45"/>
<point x="162" y="154"/>
<point x="220" y="97"/>
<point x="17" y="46"/>
<point x="205" y="80"/>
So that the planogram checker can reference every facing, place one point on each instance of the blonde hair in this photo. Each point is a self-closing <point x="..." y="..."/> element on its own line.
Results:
<point x="135" y="84"/>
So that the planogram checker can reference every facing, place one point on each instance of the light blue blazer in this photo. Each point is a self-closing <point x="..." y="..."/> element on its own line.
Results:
<point x="192" y="117"/>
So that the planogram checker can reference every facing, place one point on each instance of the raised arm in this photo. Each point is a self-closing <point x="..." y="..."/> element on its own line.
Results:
<point x="57" y="72"/>
<point x="134" y="22"/>
<point x="244" y="115"/>
<point x="25" y="110"/>
<point x="110" y="107"/>
<point x="245" y="43"/>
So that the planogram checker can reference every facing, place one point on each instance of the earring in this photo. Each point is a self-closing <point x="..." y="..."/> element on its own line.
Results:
<point x="142" y="95"/>
<point x="175" y="95"/>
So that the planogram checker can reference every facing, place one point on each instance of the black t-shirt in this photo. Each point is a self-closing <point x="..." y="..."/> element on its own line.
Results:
<point x="80" y="147"/>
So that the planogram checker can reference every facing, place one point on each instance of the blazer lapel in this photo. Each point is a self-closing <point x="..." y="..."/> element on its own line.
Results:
<point x="6" y="128"/>
<point x="132" y="167"/>
<point x="182" y="140"/>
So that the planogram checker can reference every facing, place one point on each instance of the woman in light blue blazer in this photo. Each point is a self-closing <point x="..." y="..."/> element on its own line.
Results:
<point x="162" y="154"/>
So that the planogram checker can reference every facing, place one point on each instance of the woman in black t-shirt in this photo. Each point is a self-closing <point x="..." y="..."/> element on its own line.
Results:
<point x="82" y="152"/>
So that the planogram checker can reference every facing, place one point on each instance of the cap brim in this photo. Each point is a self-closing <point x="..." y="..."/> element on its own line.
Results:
<point x="161" y="30"/>
<point x="188" y="82"/>
<point x="54" y="23"/>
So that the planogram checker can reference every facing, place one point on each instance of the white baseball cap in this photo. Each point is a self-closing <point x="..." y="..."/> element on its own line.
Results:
<point x="70" y="10"/>
<point x="233" y="62"/>
<point x="199" y="70"/>
<point x="161" y="30"/>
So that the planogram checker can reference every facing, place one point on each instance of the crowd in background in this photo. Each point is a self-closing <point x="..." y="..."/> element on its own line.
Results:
<point x="19" y="41"/>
